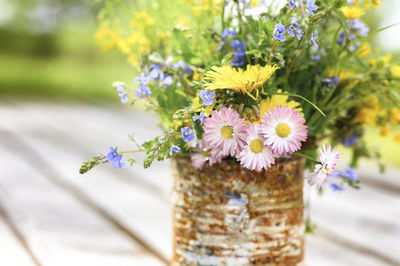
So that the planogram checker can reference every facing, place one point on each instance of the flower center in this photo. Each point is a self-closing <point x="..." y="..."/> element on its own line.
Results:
<point x="256" y="146"/>
<point x="205" y="153"/>
<point x="227" y="132"/>
<point x="283" y="130"/>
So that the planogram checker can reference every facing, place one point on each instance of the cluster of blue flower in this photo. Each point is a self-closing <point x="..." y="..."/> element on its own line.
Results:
<point x="357" y="28"/>
<point x="349" y="174"/>
<point x="293" y="28"/>
<point x="239" y="52"/>
<point x="350" y="141"/>
<point x="331" y="81"/>
<point x="157" y="73"/>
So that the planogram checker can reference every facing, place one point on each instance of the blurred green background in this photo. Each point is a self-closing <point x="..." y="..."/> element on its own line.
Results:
<point x="48" y="51"/>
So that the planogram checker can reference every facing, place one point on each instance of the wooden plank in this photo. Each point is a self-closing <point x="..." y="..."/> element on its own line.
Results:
<point x="322" y="252"/>
<point x="361" y="220"/>
<point x="59" y="229"/>
<point x="14" y="251"/>
<point x="135" y="211"/>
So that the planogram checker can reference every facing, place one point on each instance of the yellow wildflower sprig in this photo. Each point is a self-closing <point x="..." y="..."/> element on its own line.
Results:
<point x="239" y="80"/>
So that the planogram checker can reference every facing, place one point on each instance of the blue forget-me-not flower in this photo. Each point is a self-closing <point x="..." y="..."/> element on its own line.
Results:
<point x="123" y="94"/>
<point x="174" y="149"/>
<point x="115" y="158"/>
<point x="294" y="3"/>
<point x="279" y="32"/>
<point x="314" y="39"/>
<point x="201" y="118"/>
<point x="187" y="134"/>
<point x="350" y="140"/>
<point x="311" y="7"/>
<point x="207" y="96"/>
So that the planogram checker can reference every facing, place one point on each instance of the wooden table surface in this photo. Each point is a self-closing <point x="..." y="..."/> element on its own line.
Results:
<point x="50" y="215"/>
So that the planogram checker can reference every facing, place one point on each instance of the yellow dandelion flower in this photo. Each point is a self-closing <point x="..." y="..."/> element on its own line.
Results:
<point x="275" y="100"/>
<point x="385" y="131"/>
<point x="397" y="139"/>
<point x="352" y="12"/>
<point x="395" y="71"/>
<point x="365" y="50"/>
<point x="395" y="115"/>
<point x="239" y="80"/>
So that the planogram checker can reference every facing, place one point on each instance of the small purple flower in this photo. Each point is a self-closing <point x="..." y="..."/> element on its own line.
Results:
<point x="142" y="79"/>
<point x="239" y="53"/>
<point x="350" y="140"/>
<point x="237" y="61"/>
<point x="331" y="82"/>
<point x="174" y="149"/>
<point x="201" y="118"/>
<point x="143" y="91"/>
<point x="239" y="47"/>
<point x="115" y="158"/>
<point x="314" y="39"/>
<point x="221" y="44"/>
<point x="315" y="57"/>
<point x="299" y="34"/>
<point x="227" y="33"/>
<point x="168" y="80"/>
<point x="294" y="26"/>
<point x="156" y="72"/>
<point x="311" y="6"/>
<point x="352" y="36"/>
<point x="337" y="188"/>
<point x="350" y="174"/>
<point x="294" y="3"/>
<point x="358" y="25"/>
<point x="341" y="38"/>
<point x="187" y="134"/>
<point x="181" y="65"/>
<point x="122" y="94"/>
<point x="207" y="96"/>
<point x="279" y="32"/>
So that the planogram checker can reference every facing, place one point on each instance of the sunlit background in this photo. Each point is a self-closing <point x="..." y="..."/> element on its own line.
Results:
<point x="49" y="62"/>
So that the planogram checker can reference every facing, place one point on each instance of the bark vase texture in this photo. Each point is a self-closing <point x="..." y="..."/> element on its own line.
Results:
<point x="228" y="215"/>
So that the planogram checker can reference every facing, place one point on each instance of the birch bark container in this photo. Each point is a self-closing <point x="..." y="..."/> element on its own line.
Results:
<point x="228" y="215"/>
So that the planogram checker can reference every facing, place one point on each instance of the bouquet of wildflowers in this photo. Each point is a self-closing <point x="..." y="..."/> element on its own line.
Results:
<point x="254" y="81"/>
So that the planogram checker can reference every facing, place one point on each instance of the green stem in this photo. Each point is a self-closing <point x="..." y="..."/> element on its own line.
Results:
<point x="131" y="151"/>
<point x="305" y="156"/>
<point x="298" y="96"/>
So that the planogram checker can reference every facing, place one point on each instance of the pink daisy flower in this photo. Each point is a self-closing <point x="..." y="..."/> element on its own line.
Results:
<point x="255" y="155"/>
<point x="225" y="131"/>
<point x="284" y="129"/>
<point x="201" y="155"/>
<point x="328" y="158"/>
